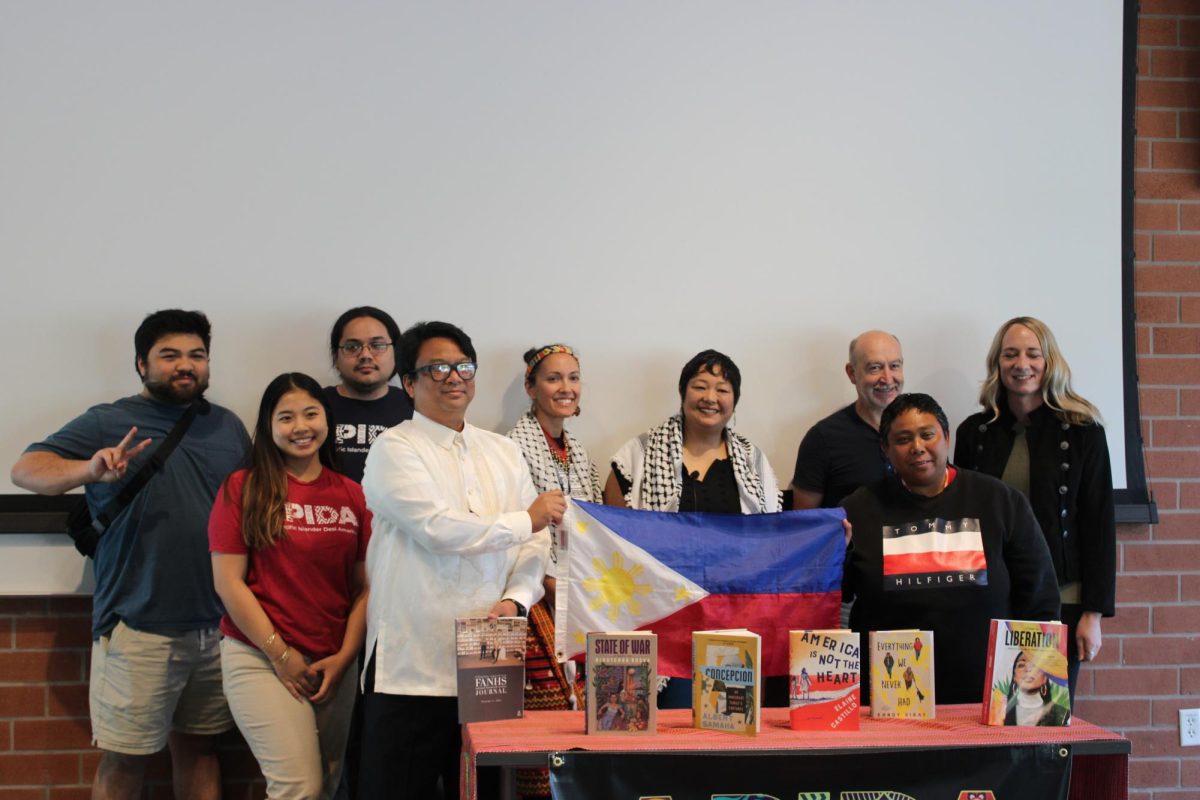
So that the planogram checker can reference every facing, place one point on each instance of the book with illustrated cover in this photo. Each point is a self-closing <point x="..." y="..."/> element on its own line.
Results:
<point x="1026" y="675"/>
<point x="622" y="682"/>
<point x="491" y="667"/>
<point x="824" y="680"/>
<point x="727" y="680"/>
<point x="902" y="675"/>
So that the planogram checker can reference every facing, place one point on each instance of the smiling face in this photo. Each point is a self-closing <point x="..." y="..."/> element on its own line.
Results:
<point x="877" y="372"/>
<point x="556" y="387"/>
<point x="298" y="429"/>
<point x="1022" y="363"/>
<point x="707" y="401"/>
<point x="365" y="373"/>
<point x="1027" y="676"/>
<point x="919" y="449"/>
<point x="445" y="402"/>
<point x="175" y="370"/>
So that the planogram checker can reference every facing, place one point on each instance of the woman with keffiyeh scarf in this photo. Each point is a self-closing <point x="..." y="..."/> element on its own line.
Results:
<point x="556" y="461"/>
<point x="694" y="462"/>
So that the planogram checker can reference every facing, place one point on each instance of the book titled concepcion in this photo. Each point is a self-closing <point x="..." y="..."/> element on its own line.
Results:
<point x="727" y="680"/>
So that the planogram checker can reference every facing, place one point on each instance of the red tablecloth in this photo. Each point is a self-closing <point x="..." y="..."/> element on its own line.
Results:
<point x="541" y="732"/>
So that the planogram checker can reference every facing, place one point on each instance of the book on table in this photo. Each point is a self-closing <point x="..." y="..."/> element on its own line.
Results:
<point x="823" y="680"/>
<point x="490" y="664"/>
<point x="622" y="682"/>
<point x="1025" y="682"/>
<point x="902" y="675"/>
<point x="727" y="680"/>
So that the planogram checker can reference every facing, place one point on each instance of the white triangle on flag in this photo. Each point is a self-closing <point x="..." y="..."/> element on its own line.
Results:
<point x="607" y="584"/>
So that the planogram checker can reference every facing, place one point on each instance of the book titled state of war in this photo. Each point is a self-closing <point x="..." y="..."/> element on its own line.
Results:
<point x="491" y="667"/>
<point x="824" y="680"/>
<point x="622" y="682"/>
<point x="727" y="680"/>
<point x="902" y="675"/>
<point x="1026" y="674"/>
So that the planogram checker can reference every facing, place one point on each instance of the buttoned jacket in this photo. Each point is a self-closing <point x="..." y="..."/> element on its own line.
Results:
<point x="1070" y="489"/>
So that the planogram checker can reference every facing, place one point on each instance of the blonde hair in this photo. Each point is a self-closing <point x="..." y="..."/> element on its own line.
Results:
<point x="1057" y="393"/>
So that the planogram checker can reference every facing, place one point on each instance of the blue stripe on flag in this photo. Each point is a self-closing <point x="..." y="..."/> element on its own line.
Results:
<point x="793" y="551"/>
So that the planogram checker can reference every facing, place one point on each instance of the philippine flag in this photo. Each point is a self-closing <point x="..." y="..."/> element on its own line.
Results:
<point x="676" y="573"/>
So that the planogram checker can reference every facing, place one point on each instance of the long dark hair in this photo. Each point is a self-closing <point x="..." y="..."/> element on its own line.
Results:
<point x="265" y="491"/>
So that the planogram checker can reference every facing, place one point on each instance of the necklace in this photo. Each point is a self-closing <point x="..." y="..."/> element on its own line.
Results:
<point x="558" y="448"/>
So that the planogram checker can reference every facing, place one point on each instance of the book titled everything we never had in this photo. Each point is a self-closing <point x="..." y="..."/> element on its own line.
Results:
<point x="491" y="667"/>
<point x="902" y="675"/>
<point x="727" y="680"/>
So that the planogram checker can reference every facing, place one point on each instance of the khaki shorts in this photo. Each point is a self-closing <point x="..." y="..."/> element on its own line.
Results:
<point x="146" y="685"/>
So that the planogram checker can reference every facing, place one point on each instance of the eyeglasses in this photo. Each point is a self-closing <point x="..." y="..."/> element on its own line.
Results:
<point x="354" y="347"/>
<point x="439" y="372"/>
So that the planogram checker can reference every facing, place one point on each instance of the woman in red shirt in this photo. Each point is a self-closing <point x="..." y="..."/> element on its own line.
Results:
<point x="288" y="538"/>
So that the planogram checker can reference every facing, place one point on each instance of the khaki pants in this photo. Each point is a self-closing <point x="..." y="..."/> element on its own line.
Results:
<point x="145" y="685"/>
<point x="299" y="746"/>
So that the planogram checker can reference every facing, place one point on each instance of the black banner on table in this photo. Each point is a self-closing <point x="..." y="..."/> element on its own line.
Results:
<point x="970" y="773"/>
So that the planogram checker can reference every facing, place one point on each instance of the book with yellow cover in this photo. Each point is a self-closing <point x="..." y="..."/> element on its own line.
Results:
<point x="823" y="685"/>
<point x="727" y="680"/>
<point x="902" y="675"/>
<point x="1026" y="675"/>
<point x="622" y="676"/>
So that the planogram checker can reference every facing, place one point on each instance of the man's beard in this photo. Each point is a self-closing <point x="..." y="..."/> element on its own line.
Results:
<point x="360" y="386"/>
<point x="168" y="392"/>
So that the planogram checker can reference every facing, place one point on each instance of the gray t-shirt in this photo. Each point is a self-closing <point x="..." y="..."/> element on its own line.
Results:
<point x="152" y="565"/>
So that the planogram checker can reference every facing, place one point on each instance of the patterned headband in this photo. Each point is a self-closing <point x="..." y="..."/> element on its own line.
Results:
<point x="546" y="351"/>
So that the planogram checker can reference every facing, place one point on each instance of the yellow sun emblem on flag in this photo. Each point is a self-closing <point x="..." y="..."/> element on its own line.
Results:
<point x="616" y="586"/>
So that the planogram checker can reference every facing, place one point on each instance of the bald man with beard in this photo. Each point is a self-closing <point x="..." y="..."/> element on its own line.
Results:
<point x="842" y="452"/>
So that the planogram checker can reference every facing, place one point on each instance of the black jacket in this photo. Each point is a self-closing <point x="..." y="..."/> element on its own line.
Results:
<point x="1070" y="489"/>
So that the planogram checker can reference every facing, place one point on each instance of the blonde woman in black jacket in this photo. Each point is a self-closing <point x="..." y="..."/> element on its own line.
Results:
<point x="1036" y="434"/>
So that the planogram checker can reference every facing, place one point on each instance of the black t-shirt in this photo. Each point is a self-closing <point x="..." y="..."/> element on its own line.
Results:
<point x="991" y="562"/>
<point x="839" y="454"/>
<point x="360" y="421"/>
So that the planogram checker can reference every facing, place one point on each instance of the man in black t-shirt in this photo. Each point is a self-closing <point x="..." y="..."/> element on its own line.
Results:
<point x="842" y="452"/>
<point x="363" y="347"/>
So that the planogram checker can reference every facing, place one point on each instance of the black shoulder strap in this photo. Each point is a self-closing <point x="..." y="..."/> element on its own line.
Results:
<point x="95" y="527"/>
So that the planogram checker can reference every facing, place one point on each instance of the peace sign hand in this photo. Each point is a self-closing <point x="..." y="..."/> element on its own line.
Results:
<point x="110" y="463"/>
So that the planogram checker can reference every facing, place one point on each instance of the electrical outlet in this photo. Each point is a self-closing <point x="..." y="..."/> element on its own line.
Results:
<point x="1189" y="726"/>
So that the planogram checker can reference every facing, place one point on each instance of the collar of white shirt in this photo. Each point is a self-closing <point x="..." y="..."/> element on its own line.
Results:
<point x="439" y="434"/>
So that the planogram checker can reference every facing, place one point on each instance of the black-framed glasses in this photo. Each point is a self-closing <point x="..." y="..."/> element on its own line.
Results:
<point x="353" y="347"/>
<point x="439" y="372"/>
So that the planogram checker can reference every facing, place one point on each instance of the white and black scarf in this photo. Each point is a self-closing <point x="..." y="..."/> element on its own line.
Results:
<point x="661" y="479"/>
<point x="580" y="475"/>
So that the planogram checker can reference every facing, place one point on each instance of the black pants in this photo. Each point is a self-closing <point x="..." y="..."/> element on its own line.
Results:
<point x="1071" y="613"/>
<point x="408" y="742"/>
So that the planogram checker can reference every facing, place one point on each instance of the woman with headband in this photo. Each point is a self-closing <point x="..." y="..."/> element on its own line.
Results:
<point x="556" y="461"/>
<point x="1040" y="437"/>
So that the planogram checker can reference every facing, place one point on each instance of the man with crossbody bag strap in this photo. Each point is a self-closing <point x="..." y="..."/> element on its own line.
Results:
<point x="156" y="676"/>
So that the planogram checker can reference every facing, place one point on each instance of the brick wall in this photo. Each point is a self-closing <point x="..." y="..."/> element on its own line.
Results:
<point x="1150" y="666"/>
<point x="45" y="736"/>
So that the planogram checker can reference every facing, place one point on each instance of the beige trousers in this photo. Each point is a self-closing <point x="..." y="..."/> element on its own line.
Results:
<point x="299" y="745"/>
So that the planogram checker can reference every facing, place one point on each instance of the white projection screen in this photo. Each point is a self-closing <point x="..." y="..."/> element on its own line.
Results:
<point x="641" y="180"/>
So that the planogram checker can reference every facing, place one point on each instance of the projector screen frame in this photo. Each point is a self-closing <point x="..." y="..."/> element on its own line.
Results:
<point x="26" y="514"/>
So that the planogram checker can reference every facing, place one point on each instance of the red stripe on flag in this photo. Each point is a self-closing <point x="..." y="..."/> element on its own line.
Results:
<point x="771" y="616"/>
<point x="955" y="561"/>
